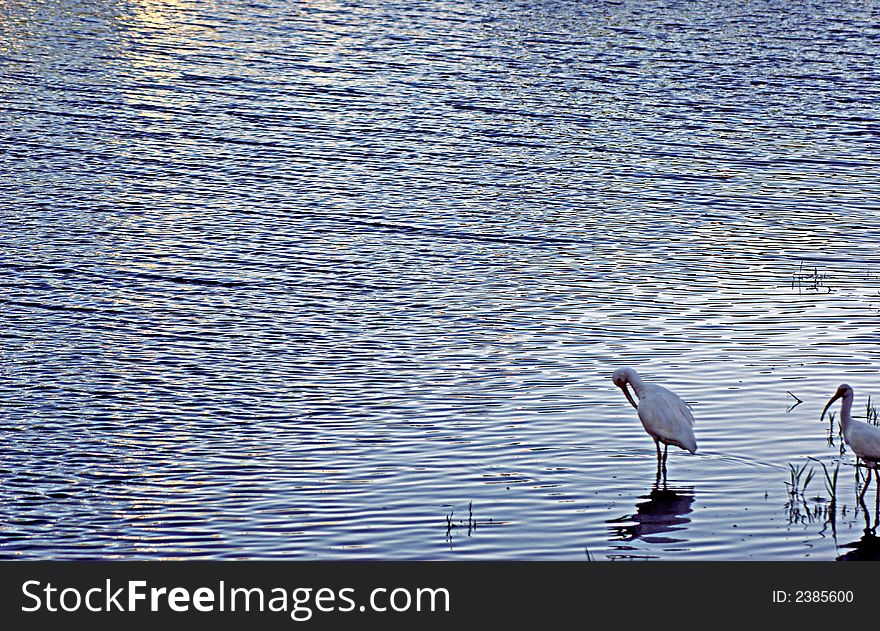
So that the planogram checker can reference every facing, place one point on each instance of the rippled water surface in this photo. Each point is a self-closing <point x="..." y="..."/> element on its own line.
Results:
<point x="327" y="279"/>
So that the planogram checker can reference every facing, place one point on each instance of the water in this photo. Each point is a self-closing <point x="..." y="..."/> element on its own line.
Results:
<point x="348" y="280"/>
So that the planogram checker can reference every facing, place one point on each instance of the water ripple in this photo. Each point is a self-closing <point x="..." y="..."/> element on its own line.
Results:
<point x="347" y="280"/>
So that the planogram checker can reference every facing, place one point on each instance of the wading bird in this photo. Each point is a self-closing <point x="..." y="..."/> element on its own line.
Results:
<point x="664" y="415"/>
<point x="862" y="438"/>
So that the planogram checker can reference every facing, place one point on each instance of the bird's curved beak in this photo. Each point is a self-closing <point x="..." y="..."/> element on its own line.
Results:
<point x="625" y="389"/>
<point x="828" y="405"/>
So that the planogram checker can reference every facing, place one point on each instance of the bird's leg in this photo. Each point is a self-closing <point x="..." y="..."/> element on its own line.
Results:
<point x="865" y="488"/>
<point x="657" y="445"/>
<point x="665" y="453"/>
<point x="876" y="498"/>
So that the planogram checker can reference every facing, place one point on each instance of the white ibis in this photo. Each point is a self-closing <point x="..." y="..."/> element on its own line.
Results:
<point x="665" y="417"/>
<point x="862" y="438"/>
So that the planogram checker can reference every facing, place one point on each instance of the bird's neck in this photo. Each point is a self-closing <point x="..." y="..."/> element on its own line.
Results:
<point x="637" y="385"/>
<point x="846" y="412"/>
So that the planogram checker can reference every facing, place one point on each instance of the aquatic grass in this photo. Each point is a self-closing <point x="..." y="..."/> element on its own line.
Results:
<point x="798" y="481"/>
<point x="471" y="522"/>
<point x="799" y="509"/>
<point x="832" y="433"/>
<point x="830" y="480"/>
<point x="872" y="414"/>
<point x="809" y="281"/>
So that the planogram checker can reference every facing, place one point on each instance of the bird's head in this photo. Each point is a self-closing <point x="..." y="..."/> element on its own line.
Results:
<point x="621" y="378"/>
<point x="843" y="390"/>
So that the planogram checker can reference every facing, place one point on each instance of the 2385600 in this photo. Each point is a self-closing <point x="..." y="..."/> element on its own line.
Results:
<point x="823" y="596"/>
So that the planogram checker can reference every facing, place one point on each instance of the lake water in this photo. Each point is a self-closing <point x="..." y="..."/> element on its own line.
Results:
<point x="346" y="280"/>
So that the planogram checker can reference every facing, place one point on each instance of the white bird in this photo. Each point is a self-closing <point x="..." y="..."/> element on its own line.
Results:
<point x="864" y="439"/>
<point x="665" y="417"/>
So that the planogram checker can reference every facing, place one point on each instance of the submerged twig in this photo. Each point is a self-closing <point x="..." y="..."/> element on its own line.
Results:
<point x="796" y="403"/>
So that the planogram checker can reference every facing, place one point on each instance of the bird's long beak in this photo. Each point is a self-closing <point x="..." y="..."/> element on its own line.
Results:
<point x="828" y="405"/>
<point x="625" y="389"/>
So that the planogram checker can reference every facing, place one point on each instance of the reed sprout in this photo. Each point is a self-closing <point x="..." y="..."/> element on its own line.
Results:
<point x="799" y="479"/>
<point x="830" y="480"/>
<point x="872" y="414"/>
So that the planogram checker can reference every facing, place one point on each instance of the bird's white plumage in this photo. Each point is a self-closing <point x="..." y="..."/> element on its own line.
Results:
<point x="862" y="438"/>
<point x="865" y="441"/>
<point x="663" y="414"/>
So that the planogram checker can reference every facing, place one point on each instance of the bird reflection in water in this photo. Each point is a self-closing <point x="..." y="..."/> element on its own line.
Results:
<point x="868" y="547"/>
<point x="664" y="511"/>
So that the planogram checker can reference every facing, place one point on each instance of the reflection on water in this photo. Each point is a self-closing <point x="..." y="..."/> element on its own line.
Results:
<point x="868" y="547"/>
<point x="865" y="549"/>
<point x="664" y="511"/>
